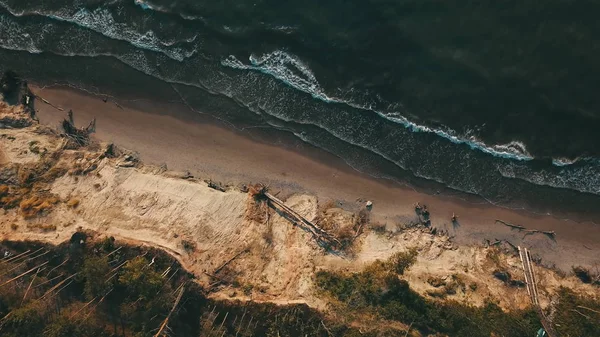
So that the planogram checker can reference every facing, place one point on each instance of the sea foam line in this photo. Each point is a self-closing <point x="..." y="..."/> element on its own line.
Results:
<point x="138" y="61"/>
<point x="276" y="64"/>
<point x="102" y="21"/>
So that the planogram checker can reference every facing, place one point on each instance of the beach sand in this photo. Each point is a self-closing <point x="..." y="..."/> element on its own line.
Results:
<point x="171" y="134"/>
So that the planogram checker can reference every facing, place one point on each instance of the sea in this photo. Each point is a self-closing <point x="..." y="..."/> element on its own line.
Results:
<point x="497" y="100"/>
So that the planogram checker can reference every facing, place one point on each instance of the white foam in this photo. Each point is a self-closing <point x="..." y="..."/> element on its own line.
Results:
<point x="13" y="37"/>
<point x="146" y="5"/>
<point x="582" y="178"/>
<point x="279" y="65"/>
<point x="563" y="161"/>
<point x="102" y="21"/>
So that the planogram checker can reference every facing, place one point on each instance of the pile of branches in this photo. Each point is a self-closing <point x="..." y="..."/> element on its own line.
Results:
<point x="77" y="136"/>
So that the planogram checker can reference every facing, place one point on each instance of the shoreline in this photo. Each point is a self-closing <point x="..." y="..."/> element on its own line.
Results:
<point x="158" y="132"/>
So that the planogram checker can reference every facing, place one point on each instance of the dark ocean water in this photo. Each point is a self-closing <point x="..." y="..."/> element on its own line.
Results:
<point x="496" y="99"/>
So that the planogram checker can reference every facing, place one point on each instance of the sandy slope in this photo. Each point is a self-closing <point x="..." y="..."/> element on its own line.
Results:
<point x="167" y="133"/>
<point x="275" y="260"/>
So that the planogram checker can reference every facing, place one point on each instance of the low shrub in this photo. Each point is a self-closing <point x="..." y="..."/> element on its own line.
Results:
<point x="73" y="203"/>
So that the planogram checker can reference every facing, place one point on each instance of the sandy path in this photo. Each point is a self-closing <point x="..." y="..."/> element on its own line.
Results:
<point x="160" y="134"/>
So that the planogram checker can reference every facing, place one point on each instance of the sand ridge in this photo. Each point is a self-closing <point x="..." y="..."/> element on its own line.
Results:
<point x="210" y="233"/>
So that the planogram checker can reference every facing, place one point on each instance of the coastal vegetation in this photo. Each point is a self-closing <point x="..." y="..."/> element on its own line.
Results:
<point x="93" y="285"/>
<point x="379" y="290"/>
<point x="102" y="287"/>
<point x="89" y="287"/>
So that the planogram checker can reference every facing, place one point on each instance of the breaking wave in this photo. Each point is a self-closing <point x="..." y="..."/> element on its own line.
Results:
<point x="336" y="119"/>
<point x="295" y="73"/>
<point x="102" y="21"/>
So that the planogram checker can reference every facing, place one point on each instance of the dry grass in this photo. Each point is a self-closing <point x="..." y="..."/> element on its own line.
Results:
<point x="268" y="233"/>
<point x="54" y="173"/>
<point x="44" y="171"/>
<point x="4" y="190"/>
<point x="256" y="210"/>
<point x="346" y="236"/>
<point x="37" y="204"/>
<point x="42" y="227"/>
<point x="257" y="191"/>
<point x="361" y="218"/>
<point x="344" y="229"/>
<point x="13" y="198"/>
<point x="73" y="203"/>
<point x="323" y="219"/>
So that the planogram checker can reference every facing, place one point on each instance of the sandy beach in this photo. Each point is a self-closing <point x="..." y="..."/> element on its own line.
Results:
<point x="186" y="141"/>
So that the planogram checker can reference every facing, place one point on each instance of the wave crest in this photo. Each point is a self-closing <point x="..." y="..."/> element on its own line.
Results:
<point x="102" y="21"/>
<point x="285" y="67"/>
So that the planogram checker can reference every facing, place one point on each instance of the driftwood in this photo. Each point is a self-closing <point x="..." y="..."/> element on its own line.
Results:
<point x="519" y="227"/>
<point x="358" y="231"/>
<point x="50" y="104"/>
<point x="80" y="136"/>
<point x="512" y="245"/>
<point x="530" y="231"/>
<point x="316" y="230"/>
<point x="215" y="186"/>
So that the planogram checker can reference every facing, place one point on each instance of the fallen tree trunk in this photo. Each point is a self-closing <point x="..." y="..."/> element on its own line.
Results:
<point x="531" y="231"/>
<point x="166" y="321"/>
<point x="519" y="227"/>
<point x="315" y="229"/>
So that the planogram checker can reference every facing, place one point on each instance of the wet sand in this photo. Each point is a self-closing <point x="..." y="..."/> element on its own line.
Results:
<point x="171" y="134"/>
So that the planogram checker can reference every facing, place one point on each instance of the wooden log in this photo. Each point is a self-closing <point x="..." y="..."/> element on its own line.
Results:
<point x="20" y="256"/>
<point x="57" y="285"/>
<point x="48" y="281"/>
<point x="53" y="269"/>
<point x="510" y="244"/>
<point x="319" y="231"/>
<point x="82" y="308"/>
<point x="29" y="287"/>
<point x="241" y="322"/>
<point x="97" y="304"/>
<point x="59" y="290"/>
<point x="166" y="321"/>
<point x="510" y="225"/>
<point x="10" y="258"/>
<point x="23" y="274"/>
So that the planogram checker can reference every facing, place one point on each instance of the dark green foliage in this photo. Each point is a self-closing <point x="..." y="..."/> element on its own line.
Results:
<point x="138" y="299"/>
<point x="577" y="316"/>
<point x="381" y="291"/>
<point x="95" y="271"/>
<point x="64" y="327"/>
<point x="26" y="320"/>
<point x="135" y="300"/>
<point x="141" y="282"/>
<point x="401" y="261"/>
